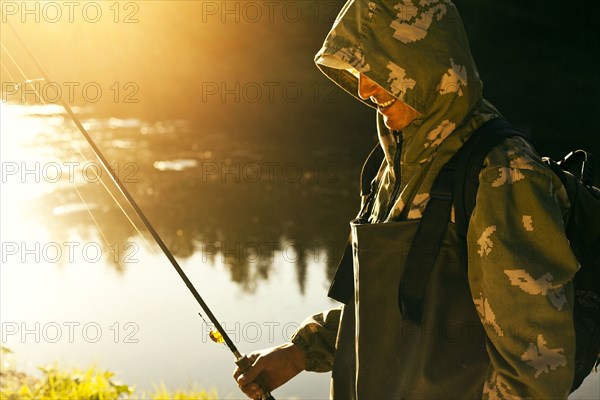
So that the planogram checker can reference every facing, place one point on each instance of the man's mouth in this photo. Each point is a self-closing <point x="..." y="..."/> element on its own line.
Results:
<point x="385" y="104"/>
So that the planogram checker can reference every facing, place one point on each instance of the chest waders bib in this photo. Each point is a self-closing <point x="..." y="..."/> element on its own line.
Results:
<point x="435" y="346"/>
<point x="379" y="355"/>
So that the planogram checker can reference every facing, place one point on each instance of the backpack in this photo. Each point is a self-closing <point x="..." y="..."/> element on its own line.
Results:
<point x="456" y="184"/>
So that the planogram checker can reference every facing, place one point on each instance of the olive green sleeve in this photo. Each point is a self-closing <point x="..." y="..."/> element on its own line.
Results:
<point x="520" y="273"/>
<point x="316" y="338"/>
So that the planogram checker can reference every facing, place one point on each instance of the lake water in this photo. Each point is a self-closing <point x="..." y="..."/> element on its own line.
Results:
<point x="251" y="225"/>
<point x="81" y="286"/>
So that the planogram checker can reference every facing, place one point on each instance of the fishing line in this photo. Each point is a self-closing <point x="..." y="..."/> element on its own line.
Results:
<point x="6" y="70"/>
<point x="13" y="80"/>
<point x="54" y="115"/>
<point x="79" y="194"/>
<point x="99" y="178"/>
<point x="108" y="190"/>
<point x="88" y="209"/>
<point x="242" y="361"/>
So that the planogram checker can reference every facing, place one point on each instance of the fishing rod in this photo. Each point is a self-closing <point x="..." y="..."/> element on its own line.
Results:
<point x="220" y="336"/>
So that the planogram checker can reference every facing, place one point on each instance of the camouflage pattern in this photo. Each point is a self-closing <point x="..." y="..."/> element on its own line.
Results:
<point x="520" y="262"/>
<point x="418" y="52"/>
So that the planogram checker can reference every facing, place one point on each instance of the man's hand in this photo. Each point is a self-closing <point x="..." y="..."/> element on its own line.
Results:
<point x="275" y="366"/>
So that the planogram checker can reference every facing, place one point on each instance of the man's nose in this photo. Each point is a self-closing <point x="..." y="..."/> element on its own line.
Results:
<point x="366" y="87"/>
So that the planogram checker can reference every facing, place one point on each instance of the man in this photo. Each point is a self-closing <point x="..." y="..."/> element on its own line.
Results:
<point x="504" y="329"/>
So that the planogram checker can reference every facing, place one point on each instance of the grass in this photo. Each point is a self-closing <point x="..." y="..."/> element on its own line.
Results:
<point x="91" y="384"/>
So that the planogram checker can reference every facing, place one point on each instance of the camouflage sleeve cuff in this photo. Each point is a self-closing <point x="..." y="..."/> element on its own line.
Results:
<point x="316" y="338"/>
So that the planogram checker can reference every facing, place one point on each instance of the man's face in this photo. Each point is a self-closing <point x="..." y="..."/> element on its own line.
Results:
<point x="396" y="114"/>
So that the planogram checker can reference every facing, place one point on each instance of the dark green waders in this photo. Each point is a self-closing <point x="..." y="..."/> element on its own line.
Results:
<point x="381" y="356"/>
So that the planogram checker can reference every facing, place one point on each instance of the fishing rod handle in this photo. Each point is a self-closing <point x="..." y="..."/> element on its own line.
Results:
<point x="244" y="364"/>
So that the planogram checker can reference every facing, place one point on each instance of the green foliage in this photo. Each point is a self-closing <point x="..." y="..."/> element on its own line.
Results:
<point x="90" y="384"/>
<point x="60" y="384"/>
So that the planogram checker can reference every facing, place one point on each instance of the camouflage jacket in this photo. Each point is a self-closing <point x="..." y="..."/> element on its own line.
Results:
<point x="418" y="51"/>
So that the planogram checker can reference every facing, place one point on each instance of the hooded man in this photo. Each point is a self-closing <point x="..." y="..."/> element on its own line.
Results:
<point x="501" y="329"/>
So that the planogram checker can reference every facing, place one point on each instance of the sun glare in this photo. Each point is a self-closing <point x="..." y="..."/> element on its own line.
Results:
<point x="28" y="170"/>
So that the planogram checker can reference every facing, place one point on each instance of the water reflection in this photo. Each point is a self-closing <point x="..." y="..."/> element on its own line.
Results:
<point x="240" y="204"/>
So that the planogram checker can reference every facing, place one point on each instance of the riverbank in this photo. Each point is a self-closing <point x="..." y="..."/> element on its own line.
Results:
<point x="60" y="383"/>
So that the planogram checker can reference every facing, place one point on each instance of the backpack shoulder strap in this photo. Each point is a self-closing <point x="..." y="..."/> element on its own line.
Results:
<point x="453" y="184"/>
<point x="485" y="139"/>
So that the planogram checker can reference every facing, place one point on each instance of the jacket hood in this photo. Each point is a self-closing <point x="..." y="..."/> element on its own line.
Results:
<point x="418" y="52"/>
